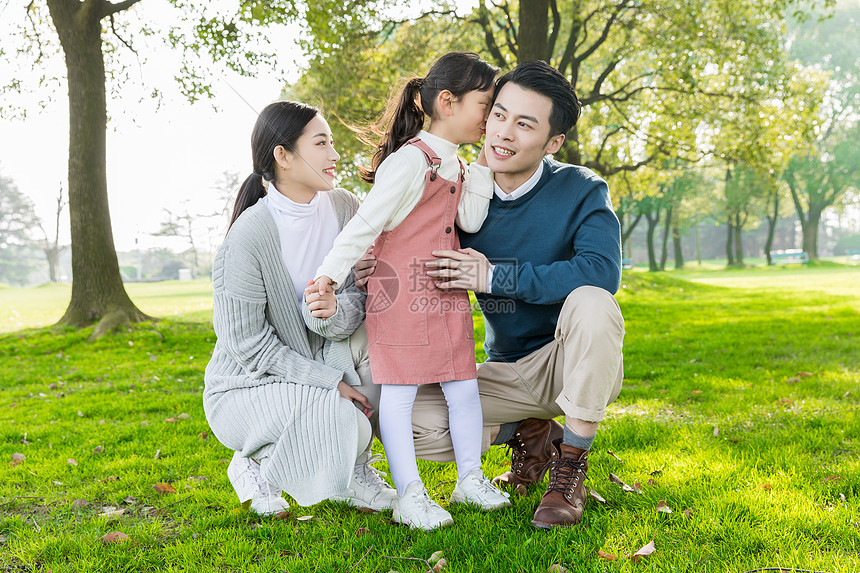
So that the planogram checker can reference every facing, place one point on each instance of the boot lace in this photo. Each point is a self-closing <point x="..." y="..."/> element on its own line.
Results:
<point x="565" y="475"/>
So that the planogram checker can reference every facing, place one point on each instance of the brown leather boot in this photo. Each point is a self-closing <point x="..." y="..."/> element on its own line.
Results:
<point x="531" y="450"/>
<point x="564" y="500"/>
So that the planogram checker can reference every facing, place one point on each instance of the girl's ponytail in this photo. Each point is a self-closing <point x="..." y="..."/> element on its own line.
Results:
<point x="250" y="192"/>
<point x="457" y="72"/>
<point x="406" y="119"/>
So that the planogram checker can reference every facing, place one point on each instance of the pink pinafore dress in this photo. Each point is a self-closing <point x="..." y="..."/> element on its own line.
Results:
<point x="418" y="333"/>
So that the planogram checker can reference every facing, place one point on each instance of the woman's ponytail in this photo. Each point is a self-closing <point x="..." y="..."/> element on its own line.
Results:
<point x="250" y="192"/>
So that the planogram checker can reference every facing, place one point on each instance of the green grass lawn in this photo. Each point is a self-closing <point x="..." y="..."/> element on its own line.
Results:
<point x="740" y="404"/>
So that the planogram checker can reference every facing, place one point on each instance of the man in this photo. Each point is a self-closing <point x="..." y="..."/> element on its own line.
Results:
<point x="545" y="266"/>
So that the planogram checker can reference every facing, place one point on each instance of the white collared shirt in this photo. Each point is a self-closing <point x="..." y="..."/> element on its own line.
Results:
<point x="307" y="232"/>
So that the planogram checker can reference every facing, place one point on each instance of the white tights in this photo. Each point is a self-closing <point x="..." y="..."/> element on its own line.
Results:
<point x="395" y="425"/>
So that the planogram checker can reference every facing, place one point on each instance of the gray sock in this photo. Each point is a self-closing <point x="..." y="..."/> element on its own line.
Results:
<point x="506" y="432"/>
<point x="577" y="441"/>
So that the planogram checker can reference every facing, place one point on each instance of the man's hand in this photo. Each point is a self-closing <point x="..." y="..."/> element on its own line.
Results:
<point x="364" y="269"/>
<point x="356" y="397"/>
<point x="465" y="269"/>
<point x="321" y="305"/>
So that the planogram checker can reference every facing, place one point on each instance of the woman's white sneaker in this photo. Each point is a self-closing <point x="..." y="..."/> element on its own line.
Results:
<point x="246" y="478"/>
<point x="366" y="487"/>
<point x="476" y="489"/>
<point x="417" y="510"/>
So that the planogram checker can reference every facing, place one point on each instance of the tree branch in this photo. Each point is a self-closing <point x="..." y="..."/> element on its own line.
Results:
<point x="36" y="34"/>
<point x="482" y="18"/>
<point x="110" y="8"/>
<point x="556" y="25"/>
<point x="121" y="39"/>
<point x="606" y="29"/>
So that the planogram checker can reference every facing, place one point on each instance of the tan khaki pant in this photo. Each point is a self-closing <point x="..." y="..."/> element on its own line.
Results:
<point x="578" y="374"/>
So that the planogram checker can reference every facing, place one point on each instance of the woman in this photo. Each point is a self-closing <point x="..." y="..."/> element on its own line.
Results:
<point x="282" y="395"/>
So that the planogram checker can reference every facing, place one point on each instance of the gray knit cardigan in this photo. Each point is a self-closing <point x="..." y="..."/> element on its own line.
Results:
<point x="271" y="385"/>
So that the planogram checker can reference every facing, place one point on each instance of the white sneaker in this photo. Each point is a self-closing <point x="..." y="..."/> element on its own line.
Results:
<point x="244" y="474"/>
<point x="366" y="487"/>
<point x="417" y="510"/>
<point x="477" y="489"/>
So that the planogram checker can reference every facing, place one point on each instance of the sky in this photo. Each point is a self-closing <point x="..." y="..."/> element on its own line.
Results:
<point x="170" y="155"/>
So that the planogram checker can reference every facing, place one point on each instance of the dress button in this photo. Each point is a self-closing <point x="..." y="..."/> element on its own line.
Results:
<point x="447" y="229"/>
<point x="453" y="189"/>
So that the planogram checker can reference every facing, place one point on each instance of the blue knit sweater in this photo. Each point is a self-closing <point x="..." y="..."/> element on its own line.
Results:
<point x="563" y="234"/>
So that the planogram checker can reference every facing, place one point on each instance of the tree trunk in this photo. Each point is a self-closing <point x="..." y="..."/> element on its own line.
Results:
<point x="97" y="289"/>
<point x="667" y="225"/>
<point x="771" y="228"/>
<point x="676" y="241"/>
<point x="652" y="226"/>
<point x="730" y="234"/>
<point x="534" y="24"/>
<point x="810" y="233"/>
<point x="739" y="249"/>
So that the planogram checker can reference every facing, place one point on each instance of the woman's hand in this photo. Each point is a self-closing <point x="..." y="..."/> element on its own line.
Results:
<point x="321" y="305"/>
<point x="364" y="269"/>
<point x="356" y="397"/>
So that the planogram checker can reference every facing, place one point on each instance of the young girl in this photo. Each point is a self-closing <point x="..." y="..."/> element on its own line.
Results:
<point x="420" y="334"/>
<point x="280" y="394"/>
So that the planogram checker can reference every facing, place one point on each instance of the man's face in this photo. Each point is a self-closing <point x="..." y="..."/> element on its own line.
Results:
<point x="517" y="133"/>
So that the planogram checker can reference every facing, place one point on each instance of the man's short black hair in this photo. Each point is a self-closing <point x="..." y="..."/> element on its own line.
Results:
<point x="540" y="77"/>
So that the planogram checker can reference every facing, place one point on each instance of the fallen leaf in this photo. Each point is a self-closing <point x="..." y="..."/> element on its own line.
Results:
<point x="114" y="536"/>
<point x="80" y="503"/>
<point x="607" y="556"/>
<point x="786" y="401"/>
<point x="71" y="462"/>
<point x="130" y="499"/>
<point x="644" y="552"/>
<point x="656" y="473"/>
<point x="615" y="479"/>
<point x="439" y="565"/>
<point x="362" y="531"/>
<point x="366" y="510"/>
<point x="170" y="420"/>
<point x="596" y="496"/>
<point x="716" y="431"/>
<point x="164" y="488"/>
<point x="833" y="477"/>
<point x="183" y="416"/>
<point x="608" y="452"/>
<point x="556" y="568"/>
<point x="637" y="487"/>
<point x="696" y="392"/>
<point x="792" y="380"/>
<point x="653" y="482"/>
<point x="435" y="557"/>
<point x="203" y="435"/>
<point x="198" y="479"/>
<point x="805" y="374"/>
<point x="111" y="512"/>
<point x="842" y="498"/>
<point x="521" y="489"/>
<point x="281" y="515"/>
<point x="766" y="486"/>
<point x="80" y="414"/>
<point x="110" y="478"/>
<point x="688" y="512"/>
<point x="663" y="507"/>
<point x="55" y="482"/>
<point x="16" y="457"/>
<point x="98" y="449"/>
<point x="305" y="518"/>
<point x="52" y="386"/>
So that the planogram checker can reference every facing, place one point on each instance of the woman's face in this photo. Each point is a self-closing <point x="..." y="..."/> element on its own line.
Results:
<point x="312" y="165"/>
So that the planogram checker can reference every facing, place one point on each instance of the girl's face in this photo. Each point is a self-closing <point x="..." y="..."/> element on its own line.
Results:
<point x="470" y="115"/>
<point x="311" y="166"/>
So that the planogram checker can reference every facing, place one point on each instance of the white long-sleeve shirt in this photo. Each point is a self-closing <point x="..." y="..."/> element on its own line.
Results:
<point x="399" y="185"/>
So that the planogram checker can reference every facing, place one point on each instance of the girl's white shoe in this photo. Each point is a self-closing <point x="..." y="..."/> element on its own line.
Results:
<point x="476" y="489"/>
<point x="417" y="510"/>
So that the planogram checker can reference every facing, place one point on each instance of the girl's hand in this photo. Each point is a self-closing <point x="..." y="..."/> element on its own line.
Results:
<point x="356" y="397"/>
<point x="364" y="269"/>
<point x="321" y="305"/>
<point x="323" y="284"/>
